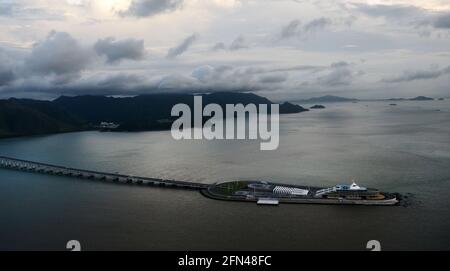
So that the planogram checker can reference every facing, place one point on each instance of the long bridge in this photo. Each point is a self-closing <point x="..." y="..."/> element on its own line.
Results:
<point x="30" y="166"/>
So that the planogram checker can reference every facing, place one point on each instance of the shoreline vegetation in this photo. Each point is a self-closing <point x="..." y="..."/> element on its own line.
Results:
<point x="27" y="117"/>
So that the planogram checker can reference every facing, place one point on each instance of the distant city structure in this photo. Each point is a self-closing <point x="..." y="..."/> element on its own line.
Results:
<point x="108" y="125"/>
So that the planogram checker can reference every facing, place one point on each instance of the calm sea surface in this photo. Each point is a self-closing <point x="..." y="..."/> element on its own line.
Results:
<point x="404" y="148"/>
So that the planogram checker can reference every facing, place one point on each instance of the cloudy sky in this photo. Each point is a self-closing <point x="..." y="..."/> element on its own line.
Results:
<point x="282" y="49"/>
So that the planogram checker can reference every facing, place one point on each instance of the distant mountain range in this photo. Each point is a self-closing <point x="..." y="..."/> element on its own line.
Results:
<point x="326" y="99"/>
<point x="418" y="98"/>
<point x="335" y="99"/>
<point x="21" y="117"/>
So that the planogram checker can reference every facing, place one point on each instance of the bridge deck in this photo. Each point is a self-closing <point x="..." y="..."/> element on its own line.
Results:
<point x="31" y="166"/>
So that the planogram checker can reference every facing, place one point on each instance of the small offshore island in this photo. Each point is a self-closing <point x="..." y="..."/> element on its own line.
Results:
<point x="267" y="193"/>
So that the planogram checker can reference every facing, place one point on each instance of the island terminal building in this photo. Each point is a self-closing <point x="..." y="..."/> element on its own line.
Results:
<point x="341" y="191"/>
<point x="271" y="194"/>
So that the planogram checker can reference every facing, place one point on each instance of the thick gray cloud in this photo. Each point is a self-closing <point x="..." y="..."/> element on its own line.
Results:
<point x="227" y="77"/>
<point x="408" y="76"/>
<point x="316" y="25"/>
<point x="219" y="46"/>
<point x="390" y="11"/>
<point x="98" y="83"/>
<point x="340" y="74"/>
<point x="121" y="82"/>
<point x="340" y="64"/>
<point x="116" y="51"/>
<point x="223" y="78"/>
<point x="182" y="47"/>
<point x="203" y="73"/>
<point x="407" y="14"/>
<point x="273" y="78"/>
<point x="59" y="54"/>
<point x="295" y="27"/>
<point x="6" y="76"/>
<point x="301" y="68"/>
<point x="147" y="8"/>
<point x="291" y="29"/>
<point x="238" y="43"/>
<point x="6" y="72"/>
<point x="442" y="21"/>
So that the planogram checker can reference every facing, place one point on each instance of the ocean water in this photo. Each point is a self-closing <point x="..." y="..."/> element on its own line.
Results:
<point x="404" y="148"/>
